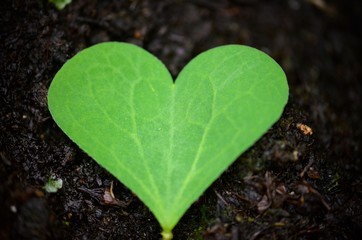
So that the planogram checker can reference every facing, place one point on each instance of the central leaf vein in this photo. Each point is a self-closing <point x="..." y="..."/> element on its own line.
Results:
<point x="191" y="172"/>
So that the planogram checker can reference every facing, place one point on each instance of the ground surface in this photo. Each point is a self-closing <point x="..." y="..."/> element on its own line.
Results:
<point x="290" y="185"/>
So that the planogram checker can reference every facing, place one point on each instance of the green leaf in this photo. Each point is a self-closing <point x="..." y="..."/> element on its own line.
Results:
<point x="167" y="141"/>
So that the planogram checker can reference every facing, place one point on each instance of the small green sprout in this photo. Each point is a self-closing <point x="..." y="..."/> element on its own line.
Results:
<point x="167" y="141"/>
<point x="53" y="185"/>
<point x="60" y="4"/>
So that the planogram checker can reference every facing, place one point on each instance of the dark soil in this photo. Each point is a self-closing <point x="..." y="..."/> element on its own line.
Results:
<point x="290" y="185"/>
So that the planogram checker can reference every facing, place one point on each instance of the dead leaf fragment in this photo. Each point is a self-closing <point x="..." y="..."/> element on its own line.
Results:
<point x="105" y="196"/>
<point x="305" y="129"/>
<point x="313" y="173"/>
<point x="324" y="6"/>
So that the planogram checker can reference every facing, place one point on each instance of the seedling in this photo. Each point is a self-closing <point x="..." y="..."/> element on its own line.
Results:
<point x="53" y="185"/>
<point x="167" y="141"/>
<point x="60" y="4"/>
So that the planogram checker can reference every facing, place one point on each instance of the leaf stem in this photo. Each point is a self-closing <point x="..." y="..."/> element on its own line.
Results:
<point x="166" y="235"/>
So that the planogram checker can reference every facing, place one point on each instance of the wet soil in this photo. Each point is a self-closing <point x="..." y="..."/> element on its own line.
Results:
<point x="302" y="180"/>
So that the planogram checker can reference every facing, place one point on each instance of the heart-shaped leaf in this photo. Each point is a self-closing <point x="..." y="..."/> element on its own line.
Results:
<point x="167" y="141"/>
